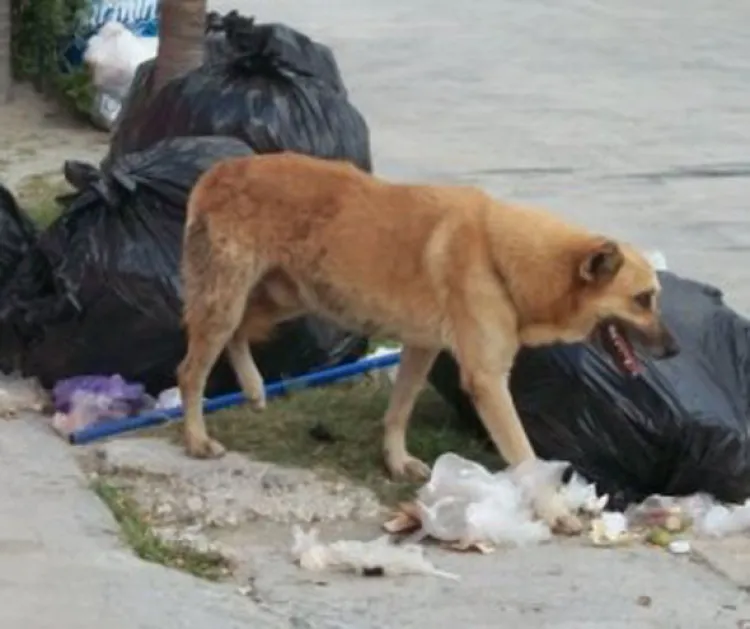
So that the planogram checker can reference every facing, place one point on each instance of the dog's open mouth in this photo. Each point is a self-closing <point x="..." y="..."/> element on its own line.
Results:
<point x="615" y="342"/>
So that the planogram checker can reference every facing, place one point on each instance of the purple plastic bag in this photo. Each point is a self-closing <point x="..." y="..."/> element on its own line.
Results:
<point x="126" y="398"/>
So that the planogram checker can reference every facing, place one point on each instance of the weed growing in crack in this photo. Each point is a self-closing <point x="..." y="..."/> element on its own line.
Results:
<point x="149" y="546"/>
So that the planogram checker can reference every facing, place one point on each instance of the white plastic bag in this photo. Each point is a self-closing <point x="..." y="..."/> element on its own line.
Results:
<point x="114" y="54"/>
<point x="376" y="557"/>
<point x="463" y="502"/>
<point x="169" y="398"/>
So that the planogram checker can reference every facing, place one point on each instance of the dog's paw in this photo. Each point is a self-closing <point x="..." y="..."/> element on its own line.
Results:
<point x="257" y="402"/>
<point x="407" y="468"/>
<point x="204" y="448"/>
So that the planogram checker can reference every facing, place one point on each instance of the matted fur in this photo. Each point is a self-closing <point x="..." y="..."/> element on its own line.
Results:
<point x="274" y="236"/>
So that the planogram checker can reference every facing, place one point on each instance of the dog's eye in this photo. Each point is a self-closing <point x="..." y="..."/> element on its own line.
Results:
<point x="645" y="299"/>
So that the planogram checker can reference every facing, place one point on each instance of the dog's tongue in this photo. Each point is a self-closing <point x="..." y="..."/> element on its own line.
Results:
<point x="625" y="355"/>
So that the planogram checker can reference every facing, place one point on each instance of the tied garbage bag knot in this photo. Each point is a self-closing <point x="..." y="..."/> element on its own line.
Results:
<point x="265" y="84"/>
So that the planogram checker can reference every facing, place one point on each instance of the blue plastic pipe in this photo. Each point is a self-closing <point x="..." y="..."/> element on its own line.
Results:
<point x="109" y="428"/>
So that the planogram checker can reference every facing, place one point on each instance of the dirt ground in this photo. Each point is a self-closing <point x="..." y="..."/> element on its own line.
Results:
<point x="37" y="138"/>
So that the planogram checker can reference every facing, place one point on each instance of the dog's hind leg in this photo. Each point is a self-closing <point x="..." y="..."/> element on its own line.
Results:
<point x="247" y="372"/>
<point x="209" y="327"/>
<point x="262" y="314"/>
<point x="412" y="372"/>
<point x="215" y="297"/>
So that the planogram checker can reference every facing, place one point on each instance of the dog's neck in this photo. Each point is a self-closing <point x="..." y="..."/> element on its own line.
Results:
<point x="520" y="257"/>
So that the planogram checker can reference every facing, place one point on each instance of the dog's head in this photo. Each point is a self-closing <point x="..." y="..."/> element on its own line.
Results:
<point x="619" y="302"/>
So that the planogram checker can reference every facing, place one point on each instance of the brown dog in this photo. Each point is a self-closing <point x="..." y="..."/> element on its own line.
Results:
<point x="271" y="237"/>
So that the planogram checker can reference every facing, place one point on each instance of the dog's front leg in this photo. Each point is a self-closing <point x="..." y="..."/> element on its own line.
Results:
<point x="412" y="372"/>
<point x="491" y="395"/>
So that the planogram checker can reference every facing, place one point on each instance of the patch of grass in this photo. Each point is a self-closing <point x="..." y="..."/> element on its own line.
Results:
<point x="293" y="431"/>
<point x="36" y="195"/>
<point x="148" y="546"/>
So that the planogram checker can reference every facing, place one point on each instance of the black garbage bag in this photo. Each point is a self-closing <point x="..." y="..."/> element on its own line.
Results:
<point x="233" y="35"/>
<point x="680" y="428"/>
<point x="99" y="293"/>
<point x="17" y="234"/>
<point x="268" y="85"/>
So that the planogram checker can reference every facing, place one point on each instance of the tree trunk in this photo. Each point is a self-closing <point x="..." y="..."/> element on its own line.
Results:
<point x="6" y="75"/>
<point x="181" y="35"/>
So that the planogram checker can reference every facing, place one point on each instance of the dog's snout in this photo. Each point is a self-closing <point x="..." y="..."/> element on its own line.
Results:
<point x="670" y="346"/>
<point x="666" y="345"/>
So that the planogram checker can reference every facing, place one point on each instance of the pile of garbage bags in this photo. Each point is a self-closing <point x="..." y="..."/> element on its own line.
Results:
<point x="98" y="291"/>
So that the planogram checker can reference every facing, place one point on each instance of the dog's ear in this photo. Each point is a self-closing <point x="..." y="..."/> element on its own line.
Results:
<point x="601" y="262"/>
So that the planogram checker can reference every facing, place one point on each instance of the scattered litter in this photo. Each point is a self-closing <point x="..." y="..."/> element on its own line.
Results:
<point x="389" y="373"/>
<point x="374" y="558"/>
<point x="467" y="508"/>
<point x="465" y="503"/>
<point x="169" y="398"/>
<point x="124" y="396"/>
<point x="20" y="394"/>
<point x="610" y="529"/>
<point x="84" y="400"/>
<point x="679" y="547"/>
<point x="659" y="511"/>
<point x="701" y="512"/>
<point x="578" y="494"/>
<point x="659" y="537"/>
<point x="712" y="519"/>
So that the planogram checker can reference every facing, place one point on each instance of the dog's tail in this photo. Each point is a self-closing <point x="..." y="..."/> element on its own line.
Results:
<point x="198" y="252"/>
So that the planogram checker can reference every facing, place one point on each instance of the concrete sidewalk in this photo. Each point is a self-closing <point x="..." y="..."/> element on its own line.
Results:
<point x="62" y="566"/>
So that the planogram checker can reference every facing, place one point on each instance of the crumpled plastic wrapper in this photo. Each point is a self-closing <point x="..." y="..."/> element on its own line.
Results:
<point x="713" y="519"/>
<point x="378" y="557"/>
<point x="469" y="508"/>
<point x="610" y="529"/>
